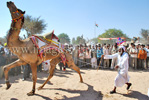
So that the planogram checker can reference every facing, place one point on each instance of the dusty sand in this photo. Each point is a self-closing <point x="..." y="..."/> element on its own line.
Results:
<point x="65" y="85"/>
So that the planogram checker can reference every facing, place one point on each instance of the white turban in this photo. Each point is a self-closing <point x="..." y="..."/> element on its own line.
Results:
<point x="122" y="47"/>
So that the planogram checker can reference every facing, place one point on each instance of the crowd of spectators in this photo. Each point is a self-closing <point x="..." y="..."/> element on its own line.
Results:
<point x="85" y="56"/>
<point x="90" y="56"/>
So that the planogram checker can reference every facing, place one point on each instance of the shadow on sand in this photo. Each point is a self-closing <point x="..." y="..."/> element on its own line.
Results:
<point x="14" y="99"/>
<point x="89" y="94"/>
<point x="44" y="97"/>
<point x="136" y="95"/>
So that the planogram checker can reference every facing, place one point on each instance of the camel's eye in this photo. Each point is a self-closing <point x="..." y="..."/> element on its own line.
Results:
<point x="18" y="14"/>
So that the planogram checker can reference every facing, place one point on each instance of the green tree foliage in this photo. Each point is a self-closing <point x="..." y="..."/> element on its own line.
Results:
<point x="64" y="38"/>
<point x="94" y="40"/>
<point x="78" y="40"/>
<point x="3" y="40"/>
<point x="145" y="34"/>
<point x="34" y="25"/>
<point x="73" y="40"/>
<point x="112" y="33"/>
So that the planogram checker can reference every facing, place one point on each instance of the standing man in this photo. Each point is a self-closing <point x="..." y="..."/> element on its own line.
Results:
<point x="142" y="55"/>
<point x="81" y="58"/>
<point x="114" y="60"/>
<point x="147" y="59"/>
<point x="122" y="66"/>
<point x="2" y="62"/>
<point x="99" y="54"/>
<point x="76" y="55"/>
<point x="106" y="60"/>
<point x="133" y="55"/>
<point x="93" y="57"/>
<point x="26" y="71"/>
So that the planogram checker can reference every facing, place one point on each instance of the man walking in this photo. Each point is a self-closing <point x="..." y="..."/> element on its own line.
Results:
<point x="122" y="66"/>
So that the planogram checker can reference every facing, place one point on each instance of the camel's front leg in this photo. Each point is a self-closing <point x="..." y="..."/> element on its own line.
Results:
<point x="8" y="67"/>
<point x="34" y="78"/>
<point x="53" y="64"/>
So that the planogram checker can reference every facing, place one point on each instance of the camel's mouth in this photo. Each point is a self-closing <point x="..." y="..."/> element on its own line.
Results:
<point x="9" y="3"/>
<point x="11" y="6"/>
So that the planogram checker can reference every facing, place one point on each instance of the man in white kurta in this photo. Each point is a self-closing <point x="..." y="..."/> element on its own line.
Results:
<point x="122" y="66"/>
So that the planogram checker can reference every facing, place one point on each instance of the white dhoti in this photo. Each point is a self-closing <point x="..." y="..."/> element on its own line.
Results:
<point x="94" y="62"/>
<point x="121" y="79"/>
<point x="46" y="65"/>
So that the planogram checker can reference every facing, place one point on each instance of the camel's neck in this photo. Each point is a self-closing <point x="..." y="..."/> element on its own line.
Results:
<point x="13" y="35"/>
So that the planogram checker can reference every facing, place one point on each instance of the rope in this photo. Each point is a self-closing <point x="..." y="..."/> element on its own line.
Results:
<point x="96" y="66"/>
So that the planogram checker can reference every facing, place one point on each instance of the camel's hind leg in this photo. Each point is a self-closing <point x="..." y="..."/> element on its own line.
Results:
<point x="77" y="69"/>
<point x="8" y="67"/>
<point x="53" y="64"/>
<point x="71" y="64"/>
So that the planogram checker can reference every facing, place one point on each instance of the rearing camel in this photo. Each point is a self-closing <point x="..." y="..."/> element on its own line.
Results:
<point x="31" y="55"/>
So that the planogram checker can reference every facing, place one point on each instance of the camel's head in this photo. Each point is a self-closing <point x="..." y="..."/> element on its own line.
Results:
<point x="16" y="13"/>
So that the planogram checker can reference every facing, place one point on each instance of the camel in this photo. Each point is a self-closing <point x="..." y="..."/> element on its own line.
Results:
<point x="30" y="57"/>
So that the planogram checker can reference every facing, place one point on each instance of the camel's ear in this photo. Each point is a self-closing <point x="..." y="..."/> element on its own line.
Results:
<point x="23" y="12"/>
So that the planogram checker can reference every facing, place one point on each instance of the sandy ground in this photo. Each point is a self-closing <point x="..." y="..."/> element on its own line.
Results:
<point x="65" y="85"/>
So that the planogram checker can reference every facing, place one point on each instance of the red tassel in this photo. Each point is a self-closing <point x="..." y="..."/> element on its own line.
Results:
<point x="64" y="69"/>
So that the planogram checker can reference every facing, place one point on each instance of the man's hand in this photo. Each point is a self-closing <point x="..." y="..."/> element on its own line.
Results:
<point x="116" y="67"/>
<point x="102" y="56"/>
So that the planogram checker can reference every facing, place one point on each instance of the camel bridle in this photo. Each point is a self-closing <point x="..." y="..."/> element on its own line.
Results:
<point x="19" y="18"/>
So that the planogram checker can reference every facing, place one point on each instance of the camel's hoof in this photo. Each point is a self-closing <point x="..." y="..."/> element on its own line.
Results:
<point x="81" y="81"/>
<point x="39" y="88"/>
<point x="30" y="93"/>
<point x="8" y="86"/>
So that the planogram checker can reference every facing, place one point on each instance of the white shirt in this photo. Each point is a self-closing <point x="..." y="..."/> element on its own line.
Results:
<point x="147" y="50"/>
<point x="88" y="55"/>
<point x="133" y="50"/>
<point x="6" y="51"/>
<point x="106" y="52"/>
<point x="81" y="55"/>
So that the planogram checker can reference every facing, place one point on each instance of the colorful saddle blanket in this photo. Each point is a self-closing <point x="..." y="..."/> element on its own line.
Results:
<point x="44" y="45"/>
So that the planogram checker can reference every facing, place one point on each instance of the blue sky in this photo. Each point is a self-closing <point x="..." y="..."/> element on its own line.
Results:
<point x="77" y="17"/>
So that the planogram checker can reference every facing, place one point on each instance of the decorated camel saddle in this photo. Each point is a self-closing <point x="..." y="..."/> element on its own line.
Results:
<point x="47" y="38"/>
<point x="46" y="42"/>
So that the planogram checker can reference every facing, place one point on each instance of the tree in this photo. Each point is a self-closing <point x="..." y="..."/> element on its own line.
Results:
<point x="64" y="38"/>
<point x="94" y="40"/>
<point x="73" y="40"/>
<point x="145" y="34"/>
<point x="33" y="25"/>
<point x="3" y="39"/>
<point x="78" y="40"/>
<point x="112" y="33"/>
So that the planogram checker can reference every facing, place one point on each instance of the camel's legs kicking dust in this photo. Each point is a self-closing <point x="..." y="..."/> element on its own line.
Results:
<point x="72" y="65"/>
<point x="8" y="67"/>
<point x="77" y="69"/>
<point x="53" y="64"/>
